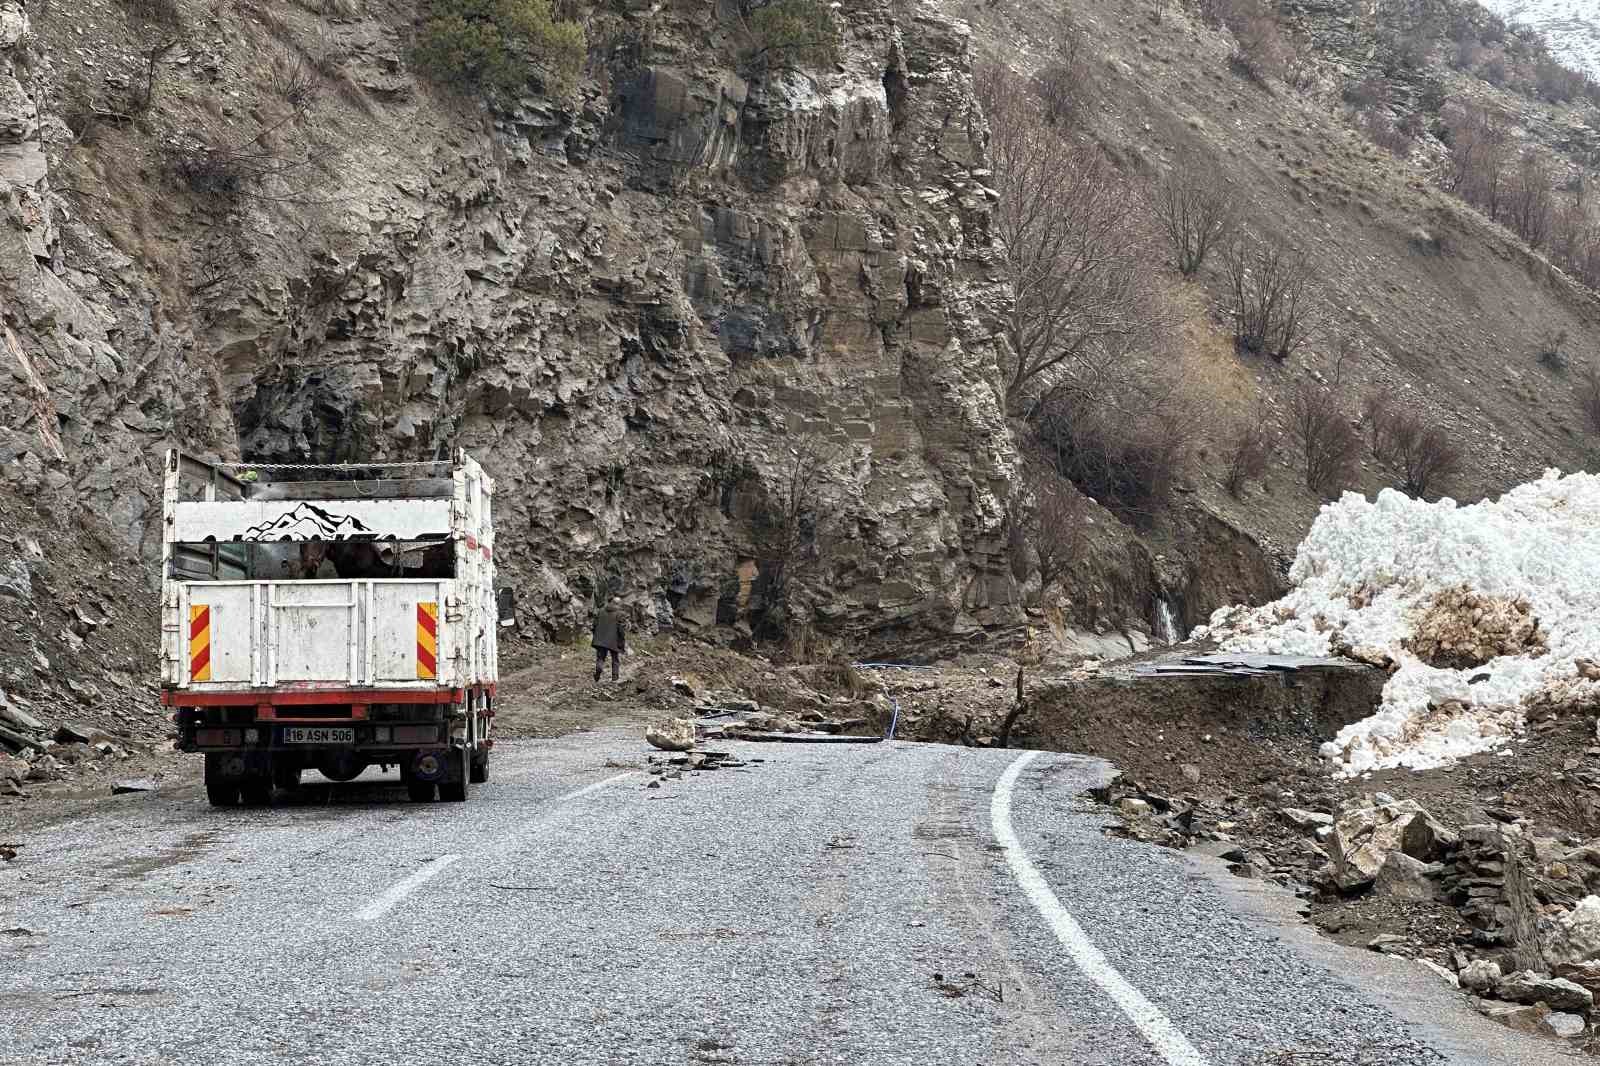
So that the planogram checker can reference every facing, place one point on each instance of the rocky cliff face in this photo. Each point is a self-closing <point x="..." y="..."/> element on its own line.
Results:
<point x="636" y="309"/>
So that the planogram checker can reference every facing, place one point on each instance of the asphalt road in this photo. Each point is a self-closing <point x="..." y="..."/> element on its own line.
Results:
<point x="792" y="912"/>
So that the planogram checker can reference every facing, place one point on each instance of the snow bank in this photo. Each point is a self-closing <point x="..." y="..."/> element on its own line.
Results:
<point x="1369" y="572"/>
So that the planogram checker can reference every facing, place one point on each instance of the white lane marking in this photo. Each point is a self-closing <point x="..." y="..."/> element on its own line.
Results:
<point x="428" y="871"/>
<point x="596" y="787"/>
<point x="1156" y="1027"/>
<point x="381" y="905"/>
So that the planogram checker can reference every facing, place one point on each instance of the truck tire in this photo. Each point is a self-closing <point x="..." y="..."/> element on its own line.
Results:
<point x="456" y="791"/>
<point x="256" y="791"/>
<point x="420" y="791"/>
<point x="285" y="776"/>
<point x="480" y="768"/>
<point x="222" y="793"/>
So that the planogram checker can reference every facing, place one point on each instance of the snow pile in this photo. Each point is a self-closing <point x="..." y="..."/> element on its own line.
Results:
<point x="1511" y="585"/>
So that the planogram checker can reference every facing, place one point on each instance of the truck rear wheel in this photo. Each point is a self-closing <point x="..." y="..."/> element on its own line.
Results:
<point x="480" y="768"/>
<point x="420" y="791"/>
<point x="256" y="791"/>
<point x="222" y="794"/>
<point x="455" y="791"/>
<point x="285" y="776"/>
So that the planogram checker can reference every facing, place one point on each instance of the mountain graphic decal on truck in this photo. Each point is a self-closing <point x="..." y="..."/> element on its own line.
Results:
<point x="309" y="522"/>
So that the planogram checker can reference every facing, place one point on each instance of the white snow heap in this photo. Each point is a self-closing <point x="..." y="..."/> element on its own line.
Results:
<point x="1369" y="570"/>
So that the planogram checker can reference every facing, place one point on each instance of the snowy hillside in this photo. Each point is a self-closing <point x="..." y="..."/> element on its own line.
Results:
<point x="1572" y="27"/>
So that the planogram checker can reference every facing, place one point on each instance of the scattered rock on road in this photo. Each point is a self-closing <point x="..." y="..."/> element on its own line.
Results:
<point x="142" y="784"/>
<point x="675" y="734"/>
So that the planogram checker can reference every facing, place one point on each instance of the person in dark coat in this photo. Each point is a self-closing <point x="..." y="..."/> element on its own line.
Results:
<point x="610" y="637"/>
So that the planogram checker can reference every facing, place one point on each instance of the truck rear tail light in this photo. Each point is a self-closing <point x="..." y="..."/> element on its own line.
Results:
<point x="252" y="736"/>
<point x="216" y="738"/>
<point x="415" y="734"/>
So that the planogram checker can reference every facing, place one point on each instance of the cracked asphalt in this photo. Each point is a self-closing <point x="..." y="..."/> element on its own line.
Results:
<point x="795" y="911"/>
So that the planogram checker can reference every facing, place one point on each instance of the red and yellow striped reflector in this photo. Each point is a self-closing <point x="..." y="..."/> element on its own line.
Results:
<point x="427" y="640"/>
<point x="199" y="642"/>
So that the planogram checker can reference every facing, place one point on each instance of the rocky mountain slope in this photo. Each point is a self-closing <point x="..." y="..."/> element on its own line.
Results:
<point x="656" y="305"/>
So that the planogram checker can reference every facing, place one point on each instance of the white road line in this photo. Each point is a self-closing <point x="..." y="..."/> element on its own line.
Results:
<point x="596" y="787"/>
<point x="1157" y="1028"/>
<point x="381" y="906"/>
<point x="428" y="871"/>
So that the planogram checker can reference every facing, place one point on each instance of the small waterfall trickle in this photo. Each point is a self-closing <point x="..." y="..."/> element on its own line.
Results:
<point x="1166" y="625"/>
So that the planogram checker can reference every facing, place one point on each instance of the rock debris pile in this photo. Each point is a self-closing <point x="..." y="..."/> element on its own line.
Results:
<point x="1489" y="906"/>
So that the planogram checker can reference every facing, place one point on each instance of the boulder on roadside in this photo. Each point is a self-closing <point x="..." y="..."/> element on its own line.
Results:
<point x="1134" y="807"/>
<point x="1480" y="975"/>
<point x="1363" y="838"/>
<point x="1402" y="877"/>
<point x="675" y="734"/>
<point x="1555" y="992"/>
<point x="1572" y="938"/>
<point x="1564" y="1025"/>
<point x="1305" y="821"/>
<point x="141" y="784"/>
<point x="44" y="768"/>
<point x="1524" y="1019"/>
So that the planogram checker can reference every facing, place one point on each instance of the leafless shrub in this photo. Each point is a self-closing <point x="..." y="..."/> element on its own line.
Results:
<point x="295" y="80"/>
<point x="1067" y="87"/>
<point x="1589" y="396"/>
<point x="1424" y="454"/>
<point x="1378" y="416"/>
<point x="1195" y="209"/>
<point x="1382" y="131"/>
<point x="1248" y="453"/>
<point x="1271" y="285"/>
<point x="1328" y="446"/>
<point x="1076" y="251"/>
<point x="207" y="171"/>
<point x="1552" y="350"/>
<point x="156" y="12"/>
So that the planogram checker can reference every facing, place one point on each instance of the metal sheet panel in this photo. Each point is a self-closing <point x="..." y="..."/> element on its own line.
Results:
<point x="228" y="632"/>
<point x="290" y="520"/>
<point x="313" y="629"/>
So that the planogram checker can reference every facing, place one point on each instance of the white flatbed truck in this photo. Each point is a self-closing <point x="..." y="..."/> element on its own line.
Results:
<point x="329" y="618"/>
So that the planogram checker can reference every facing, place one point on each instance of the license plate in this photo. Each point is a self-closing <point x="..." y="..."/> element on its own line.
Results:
<point x="318" y="734"/>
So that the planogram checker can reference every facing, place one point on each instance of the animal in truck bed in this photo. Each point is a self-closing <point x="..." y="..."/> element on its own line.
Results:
<point x="330" y="618"/>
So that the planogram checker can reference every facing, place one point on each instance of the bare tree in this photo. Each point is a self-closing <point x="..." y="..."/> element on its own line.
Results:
<point x="1480" y="152"/>
<point x="1328" y="446"/>
<point x="1588" y="394"/>
<point x="1252" y="446"/>
<point x="1378" y="416"/>
<point x="1082" y="299"/>
<point x="1425" y="454"/>
<point x="787" y="524"/>
<point x="1530" y="198"/>
<point x="1271" y="285"/>
<point x="1195" y="209"/>
<point x="1055" y="522"/>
